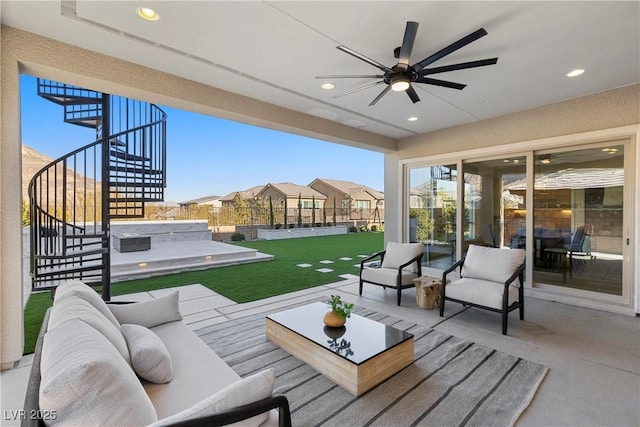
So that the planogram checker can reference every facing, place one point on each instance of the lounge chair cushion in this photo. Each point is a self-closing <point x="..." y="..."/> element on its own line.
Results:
<point x="399" y="253"/>
<point x="72" y="307"/>
<point x="493" y="264"/>
<point x="150" y="313"/>
<point x="84" y="380"/>
<point x="387" y="276"/>
<point x="251" y="389"/>
<point x="481" y="292"/>
<point x="149" y="356"/>
<point x="81" y="290"/>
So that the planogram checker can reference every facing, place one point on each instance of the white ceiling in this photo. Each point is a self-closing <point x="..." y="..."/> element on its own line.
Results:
<point x="273" y="50"/>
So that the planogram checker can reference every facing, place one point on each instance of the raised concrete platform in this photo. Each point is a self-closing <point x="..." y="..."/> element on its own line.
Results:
<point x="178" y="256"/>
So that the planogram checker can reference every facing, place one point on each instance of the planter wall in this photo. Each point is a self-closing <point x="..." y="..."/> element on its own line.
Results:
<point x="293" y="233"/>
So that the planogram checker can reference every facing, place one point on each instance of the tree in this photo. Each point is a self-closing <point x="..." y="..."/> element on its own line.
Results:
<point x="313" y="210"/>
<point x="324" y="216"/>
<point x="270" y="212"/>
<point x="25" y="214"/>
<point x="286" y="213"/>
<point x="334" y="211"/>
<point x="299" y="210"/>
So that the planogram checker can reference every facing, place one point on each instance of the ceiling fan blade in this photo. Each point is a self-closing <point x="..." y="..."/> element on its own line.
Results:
<point x="460" y="66"/>
<point x="378" y="76"/>
<point x="383" y="93"/>
<point x="407" y="43"/>
<point x="413" y="95"/>
<point x="442" y="83"/>
<point x="359" y="89"/>
<point x="364" y="58"/>
<point x="450" y="49"/>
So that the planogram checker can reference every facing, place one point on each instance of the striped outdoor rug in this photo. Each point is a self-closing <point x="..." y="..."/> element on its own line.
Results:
<point x="452" y="382"/>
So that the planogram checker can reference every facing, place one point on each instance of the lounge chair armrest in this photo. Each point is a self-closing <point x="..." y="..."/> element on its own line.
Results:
<point x="515" y="275"/>
<point x="450" y="269"/>
<point x="244" y="412"/>
<point x="416" y="258"/>
<point x="369" y="258"/>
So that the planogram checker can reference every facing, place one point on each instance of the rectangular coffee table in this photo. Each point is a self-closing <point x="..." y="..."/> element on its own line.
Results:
<point x="358" y="356"/>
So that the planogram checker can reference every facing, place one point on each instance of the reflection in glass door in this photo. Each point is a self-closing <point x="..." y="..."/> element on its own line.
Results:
<point x="495" y="203"/>
<point x="578" y="219"/>
<point x="432" y="212"/>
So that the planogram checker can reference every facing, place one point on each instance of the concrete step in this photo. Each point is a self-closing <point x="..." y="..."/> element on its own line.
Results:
<point x="174" y="257"/>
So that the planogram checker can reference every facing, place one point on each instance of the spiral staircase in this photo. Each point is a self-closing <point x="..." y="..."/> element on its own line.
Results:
<point x="74" y="198"/>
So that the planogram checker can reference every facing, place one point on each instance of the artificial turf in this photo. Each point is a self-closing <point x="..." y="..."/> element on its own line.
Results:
<point x="246" y="282"/>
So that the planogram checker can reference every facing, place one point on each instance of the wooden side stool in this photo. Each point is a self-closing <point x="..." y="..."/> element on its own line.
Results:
<point x="427" y="291"/>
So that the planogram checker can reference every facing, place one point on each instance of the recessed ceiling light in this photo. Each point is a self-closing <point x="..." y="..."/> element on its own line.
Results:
<point x="506" y="161"/>
<point x="147" y="14"/>
<point x="327" y="86"/>
<point x="610" y="150"/>
<point x="412" y="118"/>
<point x="575" y="73"/>
<point x="545" y="160"/>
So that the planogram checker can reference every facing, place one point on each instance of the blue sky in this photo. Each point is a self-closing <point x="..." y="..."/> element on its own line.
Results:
<point x="207" y="155"/>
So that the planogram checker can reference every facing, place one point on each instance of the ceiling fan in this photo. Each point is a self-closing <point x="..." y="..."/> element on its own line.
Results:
<point x="400" y="76"/>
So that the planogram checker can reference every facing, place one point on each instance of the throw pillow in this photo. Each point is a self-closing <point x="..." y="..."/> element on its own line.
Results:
<point x="251" y="389"/>
<point x="149" y="356"/>
<point x="72" y="307"/>
<point x="86" y="382"/>
<point x="86" y="292"/>
<point x="399" y="253"/>
<point x="151" y="313"/>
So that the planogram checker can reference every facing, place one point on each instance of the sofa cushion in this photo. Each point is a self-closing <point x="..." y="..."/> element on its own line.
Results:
<point x="87" y="293"/>
<point x="482" y="292"/>
<point x="492" y="264"/>
<point x="72" y="307"/>
<point x="150" y="313"/>
<point x="198" y="372"/>
<point x="399" y="253"/>
<point x="149" y="356"/>
<point x="251" y="389"/>
<point x="387" y="276"/>
<point x="86" y="382"/>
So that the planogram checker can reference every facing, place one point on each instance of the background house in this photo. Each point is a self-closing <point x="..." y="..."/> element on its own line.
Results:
<point x="355" y="201"/>
<point x="248" y="194"/>
<point x="213" y="201"/>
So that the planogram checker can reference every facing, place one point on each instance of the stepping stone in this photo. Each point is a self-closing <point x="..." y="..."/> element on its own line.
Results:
<point x="345" y="258"/>
<point x="324" y="270"/>
<point x="348" y="276"/>
<point x="304" y="265"/>
<point x="362" y="256"/>
<point x="326" y="261"/>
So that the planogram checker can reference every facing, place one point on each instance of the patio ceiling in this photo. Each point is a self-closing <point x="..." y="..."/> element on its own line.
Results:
<point x="272" y="51"/>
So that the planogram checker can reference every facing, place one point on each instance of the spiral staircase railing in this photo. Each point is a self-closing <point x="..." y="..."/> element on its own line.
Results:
<point x="74" y="198"/>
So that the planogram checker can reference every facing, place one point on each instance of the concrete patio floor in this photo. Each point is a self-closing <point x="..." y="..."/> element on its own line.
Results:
<point x="593" y="356"/>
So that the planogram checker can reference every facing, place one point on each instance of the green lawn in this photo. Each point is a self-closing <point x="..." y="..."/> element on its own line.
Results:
<point x="247" y="282"/>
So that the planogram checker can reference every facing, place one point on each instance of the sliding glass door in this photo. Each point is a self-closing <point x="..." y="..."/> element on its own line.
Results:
<point x="495" y="202"/>
<point x="568" y="208"/>
<point x="432" y="212"/>
<point x="578" y="204"/>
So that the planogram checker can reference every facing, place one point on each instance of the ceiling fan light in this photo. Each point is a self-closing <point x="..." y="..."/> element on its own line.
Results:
<point x="400" y="83"/>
